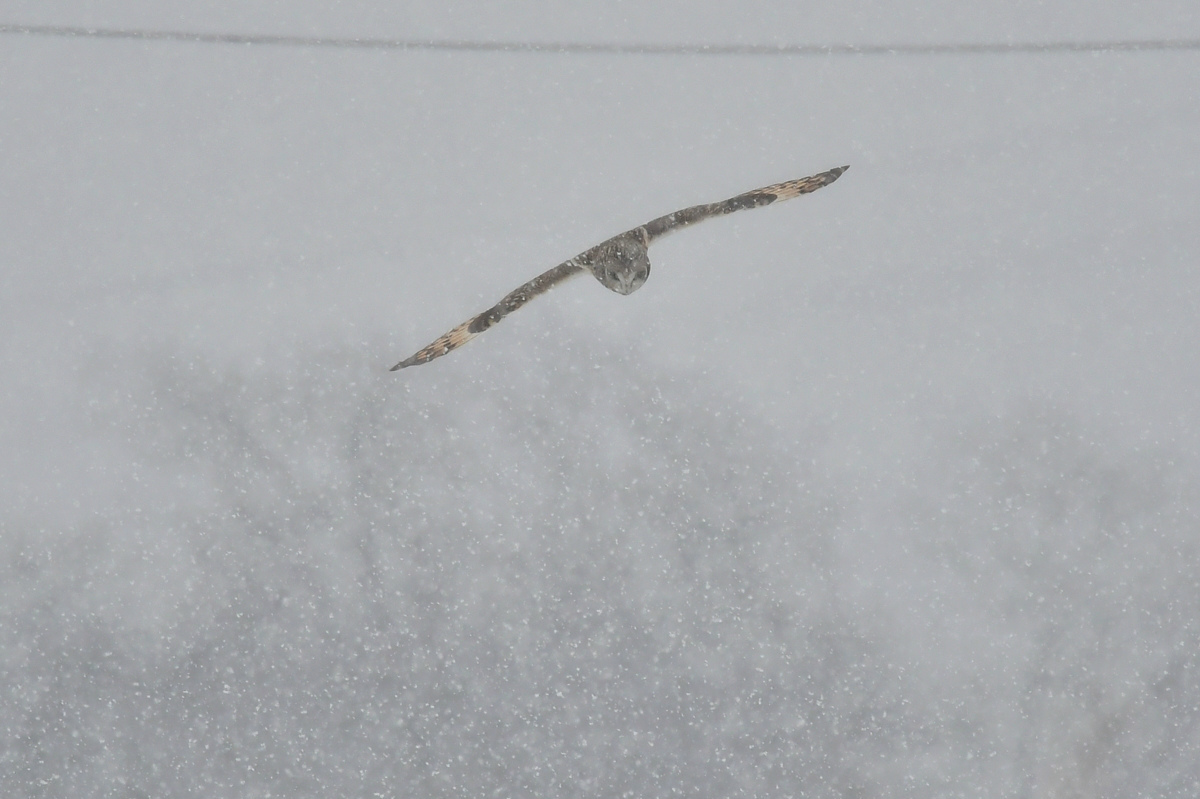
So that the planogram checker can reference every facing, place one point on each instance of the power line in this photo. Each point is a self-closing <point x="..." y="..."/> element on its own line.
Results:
<point x="576" y="48"/>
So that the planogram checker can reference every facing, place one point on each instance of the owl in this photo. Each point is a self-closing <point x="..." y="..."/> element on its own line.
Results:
<point x="621" y="263"/>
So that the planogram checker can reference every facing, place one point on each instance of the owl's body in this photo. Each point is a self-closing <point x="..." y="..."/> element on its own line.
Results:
<point x="621" y="263"/>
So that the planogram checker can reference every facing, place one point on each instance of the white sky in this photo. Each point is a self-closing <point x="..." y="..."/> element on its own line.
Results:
<point x="1012" y="225"/>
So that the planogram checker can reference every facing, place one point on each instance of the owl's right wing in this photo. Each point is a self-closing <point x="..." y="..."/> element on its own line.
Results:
<point x="477" y="324"/>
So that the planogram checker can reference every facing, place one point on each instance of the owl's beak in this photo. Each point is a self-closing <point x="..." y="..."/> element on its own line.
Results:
<point x="628" y="284"/>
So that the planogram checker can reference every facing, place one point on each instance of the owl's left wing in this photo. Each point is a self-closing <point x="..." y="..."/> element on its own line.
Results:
<point x="751" y="199"/>
<point x="477" y="324"/>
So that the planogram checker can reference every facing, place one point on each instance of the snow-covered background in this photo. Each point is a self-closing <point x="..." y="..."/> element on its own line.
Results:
<point x="887" y="491"/>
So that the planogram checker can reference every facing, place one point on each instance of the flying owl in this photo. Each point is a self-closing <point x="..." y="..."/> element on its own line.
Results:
<point x="621" y="263"/>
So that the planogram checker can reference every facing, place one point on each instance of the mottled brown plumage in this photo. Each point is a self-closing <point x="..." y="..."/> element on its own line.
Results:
<point x="620" y="263"/>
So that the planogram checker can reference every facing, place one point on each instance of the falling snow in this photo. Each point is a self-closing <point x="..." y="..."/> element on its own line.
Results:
<point x="888" y="492"/>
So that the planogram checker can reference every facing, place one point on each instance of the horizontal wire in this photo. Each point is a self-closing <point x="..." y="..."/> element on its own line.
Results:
<point x="570" y="48"/>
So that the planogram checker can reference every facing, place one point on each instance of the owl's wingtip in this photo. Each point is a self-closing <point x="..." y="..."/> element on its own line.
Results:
<point x="398" y="367"/>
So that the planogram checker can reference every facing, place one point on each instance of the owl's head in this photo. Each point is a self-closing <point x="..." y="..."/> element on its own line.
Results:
<point x="622" y="264"/>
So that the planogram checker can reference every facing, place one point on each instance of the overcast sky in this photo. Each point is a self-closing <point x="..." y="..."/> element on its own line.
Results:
<point x="1011" y="225"/>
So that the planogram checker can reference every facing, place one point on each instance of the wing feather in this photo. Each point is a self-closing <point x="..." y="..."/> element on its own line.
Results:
<point x="657" y="228"/>
<point x="477" y="324"/>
